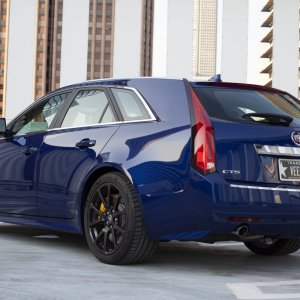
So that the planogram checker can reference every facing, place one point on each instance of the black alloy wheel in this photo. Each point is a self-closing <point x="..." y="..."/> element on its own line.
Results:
<point x="107" y="218"/>
<point x="113" y="223"/>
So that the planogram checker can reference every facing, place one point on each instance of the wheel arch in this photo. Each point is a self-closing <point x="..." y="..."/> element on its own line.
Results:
<point x="91" y="178"/>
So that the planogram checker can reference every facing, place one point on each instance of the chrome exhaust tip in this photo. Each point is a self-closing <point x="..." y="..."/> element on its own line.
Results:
<point x="241" y="231"/>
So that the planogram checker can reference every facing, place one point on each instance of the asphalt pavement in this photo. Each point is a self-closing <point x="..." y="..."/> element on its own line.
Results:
<point x="42" y="264"/>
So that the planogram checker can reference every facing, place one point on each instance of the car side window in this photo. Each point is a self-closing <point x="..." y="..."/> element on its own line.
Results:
<point x="40" y="117"/>
<point x="89" y="107"/>
<point x="130" y="105"/>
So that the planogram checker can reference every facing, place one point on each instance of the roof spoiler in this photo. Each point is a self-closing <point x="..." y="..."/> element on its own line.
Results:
<point x="216" y="78"/>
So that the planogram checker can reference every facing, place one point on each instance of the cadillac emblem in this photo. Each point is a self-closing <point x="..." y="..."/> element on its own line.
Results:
<point x="296" y="137"/>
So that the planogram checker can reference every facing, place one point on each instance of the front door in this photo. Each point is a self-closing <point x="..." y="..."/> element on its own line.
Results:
<point x="19" y="154"/>
<point x="18" y="157"/>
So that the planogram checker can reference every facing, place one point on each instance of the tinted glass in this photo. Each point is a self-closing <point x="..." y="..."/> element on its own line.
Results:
<point x="2" y="125"/>
<point x="89" y="107"/>
<point x="40" y="117"/>
<point x="130" y="105"/>
<point x="234" y="104"/>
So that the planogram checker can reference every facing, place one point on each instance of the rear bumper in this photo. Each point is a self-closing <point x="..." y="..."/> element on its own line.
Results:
<point x="267" y="222"/>
<point x="203" y="206"/>
<point x="271" y="210"/>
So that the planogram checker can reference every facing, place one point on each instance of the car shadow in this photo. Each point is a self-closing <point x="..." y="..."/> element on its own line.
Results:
<point x="38" y="236"/>
<point x="224" y="259"/>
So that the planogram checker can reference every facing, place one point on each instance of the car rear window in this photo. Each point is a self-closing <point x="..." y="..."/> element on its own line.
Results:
<point x="245" y="105"/>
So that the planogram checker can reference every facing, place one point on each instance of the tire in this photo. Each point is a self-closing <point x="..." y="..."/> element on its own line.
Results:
<point x="268" y="246"/>
<point x="113" y="222"/>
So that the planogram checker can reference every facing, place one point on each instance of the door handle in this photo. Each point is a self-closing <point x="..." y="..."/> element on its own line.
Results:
<point x="29" y="150"/>
<point x="85" y="143"/>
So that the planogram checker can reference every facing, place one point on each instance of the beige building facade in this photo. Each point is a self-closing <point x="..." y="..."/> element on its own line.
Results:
<point x="205" y="38"/>
<point x="3" y="49"/>
<point x="45" y="44"/>
<point x="280" y="45"/>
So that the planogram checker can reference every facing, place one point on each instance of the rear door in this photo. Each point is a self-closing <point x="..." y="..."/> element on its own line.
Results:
<point x="69" y="151"/>
<point x="256" y="133"/>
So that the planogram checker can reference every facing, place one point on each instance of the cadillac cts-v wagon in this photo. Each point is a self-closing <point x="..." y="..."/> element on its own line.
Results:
<point x="129" y="163"/>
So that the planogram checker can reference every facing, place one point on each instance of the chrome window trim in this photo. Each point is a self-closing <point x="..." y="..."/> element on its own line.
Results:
<point x="139" y="121"/>
<point x="252" y="187"/>
<point x="277" y="150"/>
<point x="101" y="124"/>
<point x="144" y="103"/>
<point x="83" y="126"/>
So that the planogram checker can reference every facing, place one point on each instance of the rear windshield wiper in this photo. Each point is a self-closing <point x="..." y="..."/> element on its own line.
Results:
<point x="269" y="118"/>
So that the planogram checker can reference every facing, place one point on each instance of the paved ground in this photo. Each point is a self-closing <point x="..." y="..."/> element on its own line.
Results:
<point x="39" y="264"/>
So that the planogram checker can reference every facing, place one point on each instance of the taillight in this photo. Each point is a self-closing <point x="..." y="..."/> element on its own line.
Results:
<point x="203" y="156"/>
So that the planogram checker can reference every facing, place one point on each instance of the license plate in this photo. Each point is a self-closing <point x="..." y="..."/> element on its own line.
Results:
<point x="289" y="169"/>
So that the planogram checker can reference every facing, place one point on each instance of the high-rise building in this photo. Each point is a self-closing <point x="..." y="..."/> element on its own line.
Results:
<point x="205" y="38"/>
<point x="3" y="49"/>
<point x="45" y="44"/>
<point x="147" y="37"/>
<point x="198" y="38"/>
<point x="132" y="50"/>
<point x="100" y="39"/>
<point x="185" y="38"/>
<point x="235" y="29"/>
<point x="280" y="45"/>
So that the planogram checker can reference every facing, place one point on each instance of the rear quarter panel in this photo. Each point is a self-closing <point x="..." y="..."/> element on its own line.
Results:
<point x="156" y="157"/>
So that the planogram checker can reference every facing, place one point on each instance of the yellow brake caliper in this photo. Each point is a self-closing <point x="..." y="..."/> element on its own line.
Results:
<point x="102" y="209"/>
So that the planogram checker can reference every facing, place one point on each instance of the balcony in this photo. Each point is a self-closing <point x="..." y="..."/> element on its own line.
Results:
<point x="268" y="69"/>
<point x="269" y="83"/>
<point x="268" y="38"/>
<point x="268" y="22"/>
<point x="268" y="7"/>
<point x="268" y="54"/>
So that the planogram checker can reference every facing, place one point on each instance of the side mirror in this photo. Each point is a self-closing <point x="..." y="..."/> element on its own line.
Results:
<point x="3" y="129"/>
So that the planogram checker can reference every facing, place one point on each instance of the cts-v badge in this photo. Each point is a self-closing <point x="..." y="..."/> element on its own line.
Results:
<point x="296" y="137"/>
<point x="232" y="172"/>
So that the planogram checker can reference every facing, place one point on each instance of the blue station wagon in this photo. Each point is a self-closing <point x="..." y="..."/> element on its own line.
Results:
<point x="132" y="162"/>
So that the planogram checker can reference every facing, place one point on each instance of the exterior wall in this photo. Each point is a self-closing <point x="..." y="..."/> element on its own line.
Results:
<point x="205" y="38"/>
<point x="100" y="43"/>
<point x="127" y="38"/>
<point x="41" y="45"/>
<point x="20" y="59"/>
<point x="219" y="36"/>
<point x="286" y="46"/>
<point x="59" y="42"/>
<point x="54" y="46"/>
<point x="180" y="39"/>
<point x="87" y="39"/>
<point x="173" y="39"/>
<point x="4" y="18"/>
<point x="254" y="41"/>
<point x="74" y="45"/>
<point x="235" y="41"/>
<point x="160" y="38"/>
<point x="267" y="43"/>
<point x="147" y="38"/>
